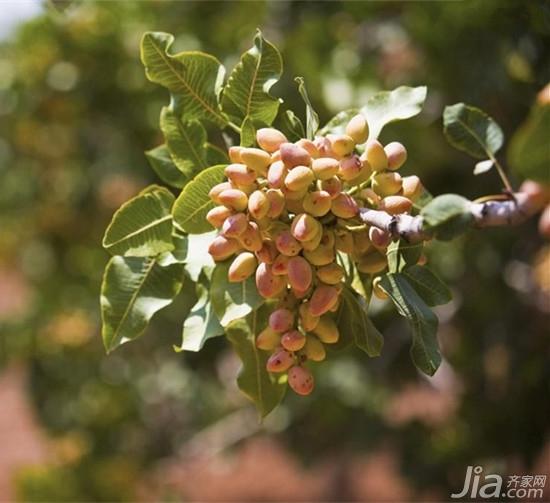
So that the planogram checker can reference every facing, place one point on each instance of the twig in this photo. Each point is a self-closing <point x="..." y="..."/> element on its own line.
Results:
<point x="486" y="214"/>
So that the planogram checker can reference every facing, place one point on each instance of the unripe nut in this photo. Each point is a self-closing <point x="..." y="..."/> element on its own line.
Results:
<point x="333" y="186"/>
<point x="412" y="187"/>
<point x="299" y="273"/>
<point x="234" y="225"/>
<point x="240" y="174"/>
<point x="222" y="248"/>
<point x="217" y="215"/>
<point x="330" y="274"/>
<point x="307" y="320"/>
<point x="304" y="227"/>
<point x="344" y="206"/>
<point x="276" y="202"/>
<point x="270" y="139"/>
<point x="326" y="330"/>
<point x="372" y="263"/>
<point x="341" y="144"/>
<point x="387" y="184"/>
<point x="251" y="239"/>
<point x="234" y="199"/>
<point x="350" y="168"/>
<point x="300" y="380"/>
<point x="396" y="154"/>
<point x="267" y="283"/>
<point x="309" y="146"/>
<point x="314" y="349"/>
<point x="293" y="155"/>
<point x="317" y="203"/>
<point x="280" y="265"/>
<point x="268" y="340"/>
<point x="235" y="154"/>
<point x="293" y="340"/>
<point x="215" y="191"/>
<point x="287" y="244"/>
<point x="376" y="155"/>
<point x="322" y="255"/>
<point x="256" y="159"/>
<point x="358" y="129"/>
<point x="280" y="361"/>
<point x="242" y="267"/>
<point x="379" y="238"/>
<point x="299" y="178"/>
<point x="325" y="167"/>
<point x="276" y="175"/>
<point x="258" y="205"/>
<point x="281" y="320"/>
<point x="395" y="205"/>
<point x="324" y="297"/>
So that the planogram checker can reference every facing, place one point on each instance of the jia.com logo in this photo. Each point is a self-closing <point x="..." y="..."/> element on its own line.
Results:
<point x="494" y="486"/>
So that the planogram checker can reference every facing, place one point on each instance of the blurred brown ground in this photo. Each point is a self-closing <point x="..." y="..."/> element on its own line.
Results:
<point x="260" y="469"/>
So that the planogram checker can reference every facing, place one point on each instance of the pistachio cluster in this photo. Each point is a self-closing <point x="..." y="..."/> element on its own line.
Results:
<point x="286" y="210"/>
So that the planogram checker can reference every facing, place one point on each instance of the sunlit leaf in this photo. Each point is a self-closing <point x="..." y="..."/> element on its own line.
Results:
<point x="264" y="389"/>
<point x="142" y="226"/>
<point x="160" y="160"/>
<point x="447" y="216"/>
<point x="133" y="290"/>
<point x="337" y="125"/>
<point x="312" y="119"/>
<point x="186" y="142"/>
<point x="430" y="287"/>
<point x="423" y="322"/>
<point x="354" y="323"/>
<point x="194" y="77"/>
<point x="193" y="203"/>
<point x="483" y="166"/>
<point x="471" y="130"/>
<point x="201" y="323"/>
<point x="291" y="126"/>
<point x="247" y="91"/>
<point x="390" y="106"/>
<point x="232" y="301"/>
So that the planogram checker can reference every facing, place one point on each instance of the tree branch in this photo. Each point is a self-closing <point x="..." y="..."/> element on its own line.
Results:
<point x="493" y="213"/>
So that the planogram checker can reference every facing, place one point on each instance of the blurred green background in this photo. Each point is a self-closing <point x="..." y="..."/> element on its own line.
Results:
<point x="76" y="114"/>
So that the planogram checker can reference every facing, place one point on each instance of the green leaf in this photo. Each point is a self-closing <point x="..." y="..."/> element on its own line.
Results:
<point x="430" y="287"/>
<point x="483" y="166"/>
<point x="354" y="323"/>
<point x="142" y="226"/>
<point x="337" y="125"/>
<point x="529" y="151"/>
<point x="390" y="106"/>
<point x="160" y="160"/>
<point x="232" y="301"/>
<point x="194" y="77"/>
<point x="201" y="323"/>
<point x="215" y="155"/>
<point x="198" y="259"/>
<point x="248" y="132"/>
<point x="447" y="216"/>
<point x="133" y="290"/>
<point x="247" y="91"/>
<point x="185" y="142"/>
<point x="263" y="388"/>
<point x="423" y="322"/>
<point x="312" y="119"/>
<point x="291" y="126"/>
<point x="402" y="254"/>
<point x="193" y="203"/>
<point x="471" y="130"/>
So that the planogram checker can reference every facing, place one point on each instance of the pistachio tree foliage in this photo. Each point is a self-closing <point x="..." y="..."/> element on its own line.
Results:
<point x="284" y="233"/>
